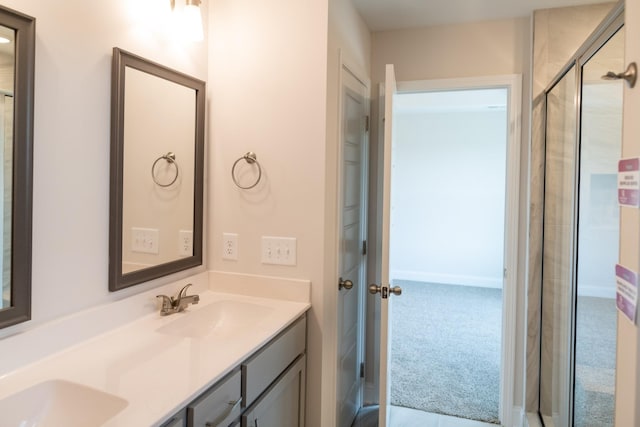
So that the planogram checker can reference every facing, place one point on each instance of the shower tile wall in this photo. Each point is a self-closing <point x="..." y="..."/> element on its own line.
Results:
<point x="557" y="35"/>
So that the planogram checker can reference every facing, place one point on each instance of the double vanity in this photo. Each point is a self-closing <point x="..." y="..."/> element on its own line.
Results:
<point x="230" y="352"/>
<point x="228" y="360"/>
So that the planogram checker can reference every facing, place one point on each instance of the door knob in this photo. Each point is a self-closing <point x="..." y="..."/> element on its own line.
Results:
<point x="374" y="289"/>
<point x="347" y="284"/>
<point x="396" y="290"/>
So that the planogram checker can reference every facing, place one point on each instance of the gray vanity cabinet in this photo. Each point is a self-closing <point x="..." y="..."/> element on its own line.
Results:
<point x="267" y="389"/>
<point x="219" y="406"/>
<point x="178" y="420"/>
<point x="282" y="404"/>
<point x="266" y="365"/>
<point x="273" y="381"/>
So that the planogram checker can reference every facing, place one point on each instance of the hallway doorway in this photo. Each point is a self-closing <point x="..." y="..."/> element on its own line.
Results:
<point x="453" y="227"/>
<point x="447" y="251"/>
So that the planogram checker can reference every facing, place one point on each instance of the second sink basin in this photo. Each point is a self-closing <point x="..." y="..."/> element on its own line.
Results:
<point x="59" y="403"/>
<point x="220" y="318"/>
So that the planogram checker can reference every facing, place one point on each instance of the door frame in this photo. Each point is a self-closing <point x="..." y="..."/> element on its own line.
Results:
<point x="347" y="66"/>
<point x="513" y="83"/>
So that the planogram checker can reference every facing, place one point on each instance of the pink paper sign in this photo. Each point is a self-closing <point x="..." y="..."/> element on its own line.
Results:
<point x="627" y="292"/>
<point x="629" y="182"/>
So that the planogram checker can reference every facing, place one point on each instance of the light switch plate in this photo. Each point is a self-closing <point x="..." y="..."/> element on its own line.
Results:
<point x="145" y="240"/>
<point x="279" y="250"/>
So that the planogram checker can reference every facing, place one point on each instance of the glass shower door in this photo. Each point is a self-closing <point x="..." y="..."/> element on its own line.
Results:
<point x="558" y="250"/>
<point x="580" y="240"/>
<point x="598" y="237"/>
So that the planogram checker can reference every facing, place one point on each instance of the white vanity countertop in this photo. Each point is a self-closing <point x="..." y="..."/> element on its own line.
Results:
<point x="157" y="373"/>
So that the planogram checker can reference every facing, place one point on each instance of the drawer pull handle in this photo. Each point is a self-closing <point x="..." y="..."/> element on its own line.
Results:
<point x="233" y="405"/>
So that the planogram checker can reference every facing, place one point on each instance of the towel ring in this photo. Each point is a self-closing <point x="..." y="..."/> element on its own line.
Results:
<point x="170" y="157"/>
<point x="251" y="158"/>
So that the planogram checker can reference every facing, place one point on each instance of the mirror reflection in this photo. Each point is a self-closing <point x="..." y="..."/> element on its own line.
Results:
<point x="157" y="216"/>
<point x="17" y="69"/>
<point x="157" y="169"/>
<point x="7" y="83"/>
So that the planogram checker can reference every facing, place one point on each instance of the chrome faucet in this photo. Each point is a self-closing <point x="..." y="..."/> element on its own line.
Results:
<point x="178" y="303"/>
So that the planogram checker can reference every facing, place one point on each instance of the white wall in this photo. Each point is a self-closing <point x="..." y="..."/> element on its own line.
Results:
<point x="450" y="51"/>
<point x="74" y="40"/>
<point x="447" y="198"/>
<point x="628" y="343"/>
<point x="268" y="83"/>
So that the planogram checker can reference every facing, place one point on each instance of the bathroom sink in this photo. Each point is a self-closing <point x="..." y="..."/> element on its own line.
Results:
<point x="59" y="403"/>
<point x="220" y="318"/>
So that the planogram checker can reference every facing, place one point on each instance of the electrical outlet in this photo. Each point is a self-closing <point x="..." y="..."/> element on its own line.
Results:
<point x="279" y="250"/>
<point x="230" y="246"/>
<point x="145" y="240"/>
<point x="185" y="243"/>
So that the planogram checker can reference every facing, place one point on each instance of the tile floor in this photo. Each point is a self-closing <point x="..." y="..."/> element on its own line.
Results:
<point x="407" y="417"/>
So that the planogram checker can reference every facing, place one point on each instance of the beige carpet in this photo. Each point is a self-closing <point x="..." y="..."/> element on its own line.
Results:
<point x="446" y="350"/>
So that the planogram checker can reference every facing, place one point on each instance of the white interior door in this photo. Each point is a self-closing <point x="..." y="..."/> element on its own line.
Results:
<point x="352" y="260"/>
<point x="384" y="290"/>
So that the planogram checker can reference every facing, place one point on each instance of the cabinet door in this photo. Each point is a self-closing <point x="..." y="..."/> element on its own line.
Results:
<point x="283" y="403"/>
<point x="267" y="364"/>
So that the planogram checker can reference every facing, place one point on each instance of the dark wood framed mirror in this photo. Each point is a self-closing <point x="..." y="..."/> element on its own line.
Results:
<point x="17" y="65"/>
<point x="157" y="171"/>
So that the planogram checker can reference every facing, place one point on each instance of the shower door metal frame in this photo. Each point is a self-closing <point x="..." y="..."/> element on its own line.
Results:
<point x="612" y="23"/>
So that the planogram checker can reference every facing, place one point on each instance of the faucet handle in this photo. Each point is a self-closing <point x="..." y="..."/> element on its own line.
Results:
<point x="165" y="299"/>
<point x="183" y="291"/>
<point x="167" y="304"/>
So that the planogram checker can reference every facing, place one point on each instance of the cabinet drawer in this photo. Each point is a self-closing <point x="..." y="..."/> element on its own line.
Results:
<point x="219" y="406"/>
<point x="265" y="366"/>
<point x="178" y="420"/>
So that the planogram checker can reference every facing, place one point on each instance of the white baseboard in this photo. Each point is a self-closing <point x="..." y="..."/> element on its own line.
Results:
<point x="586" y="290"/>
<point x="517" y="417"/>
<point x="447" y="279"/>
<point x="532" y="420"/>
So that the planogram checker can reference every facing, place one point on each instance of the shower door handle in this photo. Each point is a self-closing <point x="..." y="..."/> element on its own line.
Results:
<point x="629" y="75"/>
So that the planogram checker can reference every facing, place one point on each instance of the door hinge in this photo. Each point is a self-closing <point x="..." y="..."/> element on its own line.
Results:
<point x="362" y="370"/>
<point x="366" y="123"/>
<point x="364" y="247"/>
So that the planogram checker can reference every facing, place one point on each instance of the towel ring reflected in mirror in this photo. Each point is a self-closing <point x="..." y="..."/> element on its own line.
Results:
<point x="170" y="157"/>
<point x="252" y="159"/>
<point x="139" y="85"/>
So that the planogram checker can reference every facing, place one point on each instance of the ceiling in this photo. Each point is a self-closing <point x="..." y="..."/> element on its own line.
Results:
<point x="381" y="15"/>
